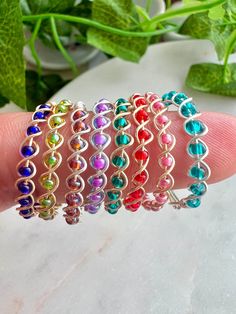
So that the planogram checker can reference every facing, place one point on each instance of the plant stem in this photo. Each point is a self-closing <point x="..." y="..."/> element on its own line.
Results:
<point x="148" y="6"/>
<point x="60" y="46"/>
<point x="172" y="13"/>
<point x="168" y="4"/>
<point x="230" y="46"/>
<point x="95" y="24"/>
<point x="32" y="46"/>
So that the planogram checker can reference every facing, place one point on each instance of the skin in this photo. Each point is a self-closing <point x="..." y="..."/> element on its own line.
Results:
<point x="220" y="140"/>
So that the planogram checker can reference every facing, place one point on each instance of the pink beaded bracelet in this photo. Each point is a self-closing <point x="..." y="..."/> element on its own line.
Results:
<point x="166" y="142"/>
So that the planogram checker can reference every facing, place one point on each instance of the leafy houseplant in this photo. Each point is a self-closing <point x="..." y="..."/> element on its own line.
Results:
<point x="118" y="28"/>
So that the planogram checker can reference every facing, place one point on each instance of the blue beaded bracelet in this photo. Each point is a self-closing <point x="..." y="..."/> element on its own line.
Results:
<point x="196" y="149"/>
<point x="26" y="168"/>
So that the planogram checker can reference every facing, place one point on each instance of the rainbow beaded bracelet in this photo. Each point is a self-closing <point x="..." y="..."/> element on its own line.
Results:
<point x="196" y="149"/>
<point x="26" y="168"/>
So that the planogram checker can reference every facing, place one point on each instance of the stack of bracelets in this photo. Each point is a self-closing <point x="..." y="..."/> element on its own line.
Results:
<point x="138" y="113"/>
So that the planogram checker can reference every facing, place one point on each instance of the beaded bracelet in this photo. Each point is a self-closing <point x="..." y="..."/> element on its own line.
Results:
<point x="26" y="168"/>
<point x="77" y="164"/>
<point x="166" y="142"/>
<point x="46" y="203"/>
<point x="99" y="160"/>
<point x="119" y="158"/>
<point x="196" y="149"/>
<point x="143" y="136"/>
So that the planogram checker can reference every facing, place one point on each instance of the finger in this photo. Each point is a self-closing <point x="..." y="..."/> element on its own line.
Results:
<point x="221" y="158"/>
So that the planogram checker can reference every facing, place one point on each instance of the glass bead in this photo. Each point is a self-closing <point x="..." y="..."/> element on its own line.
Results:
<point x="188" y="109"/>
<point x="47" y="183"/>
<point x="53" y="138"/>
<point x="33" y="129"/>
<point x="38" y="115"/>
<point x="121" y="101"/>
<point x="197" y="173"/>
<point x="113" y="195"/>
<point x="121" y="108"/>
<point x="25" y="187"/>
<point x="119" y="161"/>
<point x="194" y="127"/>
<point x="197" y="149"/>
<point x="25" y="171"/>
<point x="27" y="151"/>
<point x="51" y="161"/>
<point x="193" y="203"/>
<point x="120" y="123"/>
<point x="168" y="96"/>
<point x="179" y="98"/>
<point x="117" y="182"/>
<point x="198" y="189"/>
<point x="122" y="139"/>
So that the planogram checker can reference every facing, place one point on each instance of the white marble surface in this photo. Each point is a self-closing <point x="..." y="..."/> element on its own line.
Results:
<point x="145" y="263"/>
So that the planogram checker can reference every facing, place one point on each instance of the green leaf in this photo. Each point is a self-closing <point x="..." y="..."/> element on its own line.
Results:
<point x="208" y="77"/>
<point x="216" y="13"/>
<point x="3" y="101"/>
<point x="83" y="9"/>
<point x="12" y="69"/>
<point x="46" y="6"/>
<point x="200" y="26"/>
<point x="40" y="89"/>
<point x="120" y="14"/>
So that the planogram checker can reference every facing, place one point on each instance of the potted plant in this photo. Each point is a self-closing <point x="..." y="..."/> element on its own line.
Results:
<point x="118" y="28"/>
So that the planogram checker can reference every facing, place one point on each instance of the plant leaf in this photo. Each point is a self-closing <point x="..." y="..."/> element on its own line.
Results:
<point x="208" y="77"/>
<point x="82" y="9"/>
<point x="216" y="13"/>
<point x="120" y="14"/>
<point x="202" y="27"/>
<point x="40" y="89"/>
<point x="12" y="68"/>
<point x="46" y="6"/>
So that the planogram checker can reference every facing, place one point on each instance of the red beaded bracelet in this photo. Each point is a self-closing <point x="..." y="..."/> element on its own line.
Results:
<point x="143" y="136"/>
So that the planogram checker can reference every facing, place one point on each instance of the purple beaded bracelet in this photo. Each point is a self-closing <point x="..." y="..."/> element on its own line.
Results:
<point x="99" y="161"/>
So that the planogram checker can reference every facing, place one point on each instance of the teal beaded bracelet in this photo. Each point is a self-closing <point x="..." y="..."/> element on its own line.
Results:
<point x="196" y="149"/>
<point x="119" y="158"/>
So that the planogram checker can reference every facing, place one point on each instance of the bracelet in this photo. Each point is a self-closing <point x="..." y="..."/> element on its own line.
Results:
<point x="196" y="149"/>
<point x="166" y="142"/>
<point x="99" y="160"/>
<point x="76" y="163"/>
<point x="119" y="158"/>
<point x="143" y="136"/>
<point x="46" y="203"/>
<point x="26" y="168"/>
